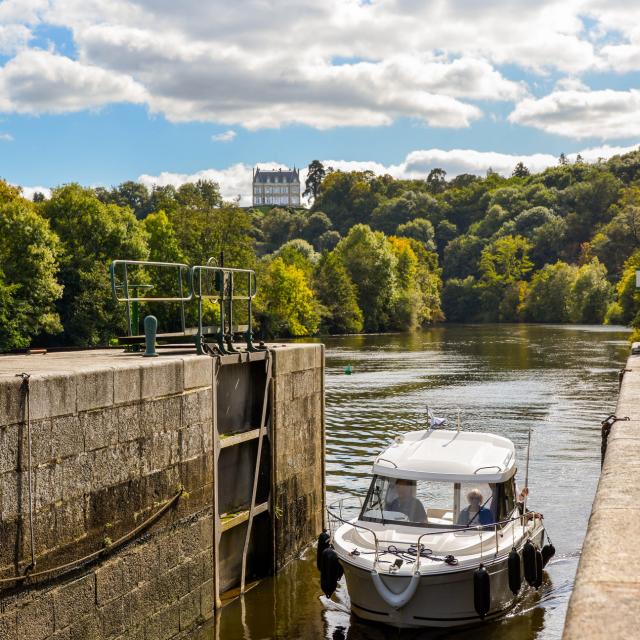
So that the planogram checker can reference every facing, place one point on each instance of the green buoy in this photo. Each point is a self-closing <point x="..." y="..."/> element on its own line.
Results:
<point x="348" y="370"/>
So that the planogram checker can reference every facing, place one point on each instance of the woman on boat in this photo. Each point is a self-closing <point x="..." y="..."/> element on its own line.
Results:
<point x="475" y="513"/>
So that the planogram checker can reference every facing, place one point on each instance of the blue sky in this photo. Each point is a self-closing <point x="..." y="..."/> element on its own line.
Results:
<point x="116" y="90"/>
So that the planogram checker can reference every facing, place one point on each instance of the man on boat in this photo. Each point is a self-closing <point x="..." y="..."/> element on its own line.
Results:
<point x="475" y="513"/>
<point x="406" y="502"/>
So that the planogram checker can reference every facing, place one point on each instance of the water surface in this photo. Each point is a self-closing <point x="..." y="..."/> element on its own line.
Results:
<point x="558" y="381"/>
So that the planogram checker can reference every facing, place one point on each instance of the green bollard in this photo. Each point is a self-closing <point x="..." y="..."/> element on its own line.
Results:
<point x="150" y="331"/>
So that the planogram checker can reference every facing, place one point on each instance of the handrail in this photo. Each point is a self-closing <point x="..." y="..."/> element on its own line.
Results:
<point x="252" y="281"/>
<point x="479" y="528"/>
<point x="129" y="300"/>
<point x="147" y="263"/>
<point x="225" y="296"/>
<point x="492" y="466"/>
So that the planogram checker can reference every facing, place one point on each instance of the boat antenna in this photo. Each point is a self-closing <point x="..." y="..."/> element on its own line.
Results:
<point x="526" y="473"/>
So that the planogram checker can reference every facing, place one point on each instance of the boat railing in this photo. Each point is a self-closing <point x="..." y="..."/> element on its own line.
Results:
<point x="336" y="511"/>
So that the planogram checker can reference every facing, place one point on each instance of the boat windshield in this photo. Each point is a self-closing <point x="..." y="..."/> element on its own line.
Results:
<point x="437" y="504"/>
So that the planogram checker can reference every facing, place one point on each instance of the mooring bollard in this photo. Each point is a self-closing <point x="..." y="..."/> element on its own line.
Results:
<point x="150" y="331"/>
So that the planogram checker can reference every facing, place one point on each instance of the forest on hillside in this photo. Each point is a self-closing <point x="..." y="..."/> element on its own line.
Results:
<point x="372" y="253"/>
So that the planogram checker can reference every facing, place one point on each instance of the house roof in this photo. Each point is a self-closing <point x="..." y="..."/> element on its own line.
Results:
<point x="454" y="456"/>
<point x="287" y="176"/>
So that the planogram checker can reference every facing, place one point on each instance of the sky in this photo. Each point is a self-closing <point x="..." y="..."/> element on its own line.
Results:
<point x="103" y="91"/>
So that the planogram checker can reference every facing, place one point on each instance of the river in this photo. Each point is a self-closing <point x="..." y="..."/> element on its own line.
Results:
<point x="558" y="381"/>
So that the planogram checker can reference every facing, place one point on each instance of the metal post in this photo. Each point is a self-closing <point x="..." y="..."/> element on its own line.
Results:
<point x="256" y="474"/>
<point x="150" y="332"/>
<point x="182" y="318"/>
<point x="126" y="295"/>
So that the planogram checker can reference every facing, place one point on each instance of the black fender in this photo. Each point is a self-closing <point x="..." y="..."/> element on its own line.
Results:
<point x="481" y="591"/>
<point x="515" y="572"/>
<point x="330" y="571"/>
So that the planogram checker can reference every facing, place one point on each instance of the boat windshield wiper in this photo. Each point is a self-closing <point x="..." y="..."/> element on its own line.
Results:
<point x="482" y="506"/>
<point x="379" y="496"/>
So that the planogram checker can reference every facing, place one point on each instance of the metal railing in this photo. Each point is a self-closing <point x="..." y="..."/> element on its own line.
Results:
<point x="335" y="509"/>
<point x="224" y="293"/>
<point x="222" y="285"/>
<point x="132" y="301"/>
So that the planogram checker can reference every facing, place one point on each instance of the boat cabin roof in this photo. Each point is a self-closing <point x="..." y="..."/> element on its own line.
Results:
<point x="452" y="456"/>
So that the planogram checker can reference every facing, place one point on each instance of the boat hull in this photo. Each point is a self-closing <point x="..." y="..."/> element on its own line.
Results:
<point x="441" y="600"/>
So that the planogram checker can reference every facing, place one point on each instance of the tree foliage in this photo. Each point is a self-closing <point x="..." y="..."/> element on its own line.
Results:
<point x="338" y="296"/>
<point x="29" y="254"/>
<point x="286" y="302"/>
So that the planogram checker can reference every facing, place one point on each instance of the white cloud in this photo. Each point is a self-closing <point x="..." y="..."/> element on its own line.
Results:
<point x="13" y="37"/>
<point x="37" y="81"/>
<point x="330" y="64"/>
<point x="579" y="114"/>
<point x="225" y="136"/>
<point x="29" y="192"/>
<point x="235" y="181"/>
<point x="6" y="137"/>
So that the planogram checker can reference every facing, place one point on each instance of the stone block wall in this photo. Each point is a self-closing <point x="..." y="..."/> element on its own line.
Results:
<point x="155" y="589"/>
<point x="108" y="446"/>
<point x="114" y="437"/>
<point x="298" y="449"/>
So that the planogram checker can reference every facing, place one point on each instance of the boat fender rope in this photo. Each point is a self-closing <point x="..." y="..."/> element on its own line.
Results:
<point x="395" y="600"/>
<point x="607" y="423"/>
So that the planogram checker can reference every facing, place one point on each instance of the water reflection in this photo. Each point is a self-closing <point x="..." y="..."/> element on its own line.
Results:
<point x="558" y="380"/>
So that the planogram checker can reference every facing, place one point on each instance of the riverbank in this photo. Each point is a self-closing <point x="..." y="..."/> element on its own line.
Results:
<point x="604" y="604"/>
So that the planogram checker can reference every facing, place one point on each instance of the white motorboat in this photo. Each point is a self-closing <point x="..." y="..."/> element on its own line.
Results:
<point x="440" y="539"/>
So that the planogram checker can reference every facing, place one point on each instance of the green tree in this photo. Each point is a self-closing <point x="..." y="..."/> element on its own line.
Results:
<point x="591" y="293"/>
<point x="446" y="231"/>
<point x="315" y="226"/>
<point x="299" y="253"/>
<point x="506" y="260"/>
<point x="315" y="175"/>
<point x="549" y="295"/>
<point x="462" y="256"/>
<point x="92" y="235"/>
<point x="338" y="296"/>
<point x="128" y="194"/>
<point x="29" y="254"/>
<point x="348" y="198"/>
<point x="285" y="303"/>
<point x="163" y="247"/>
<point x="628" y="297"/>
<point x="406" y="303"/>
<point x="371" y="265"/>
<point x="437" y="180"/>
<point x="619" y="238"/>
<point x="429" y="283"/>
<point x="400" y="210"/>
<point x="328" y="241"/>
<point x="461" y="299"/>
<point x="281" y="225"/>
<point x="520" y="171"/>
<point x="204" y="233"/>
<point x="419" y="229"/>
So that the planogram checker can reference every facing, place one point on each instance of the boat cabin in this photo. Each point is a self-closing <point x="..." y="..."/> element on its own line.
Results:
<point x="443" y="479"/>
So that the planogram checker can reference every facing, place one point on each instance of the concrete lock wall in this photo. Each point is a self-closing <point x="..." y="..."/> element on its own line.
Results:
<point x="604" y="602"/>
<point x="116" y="437"/>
